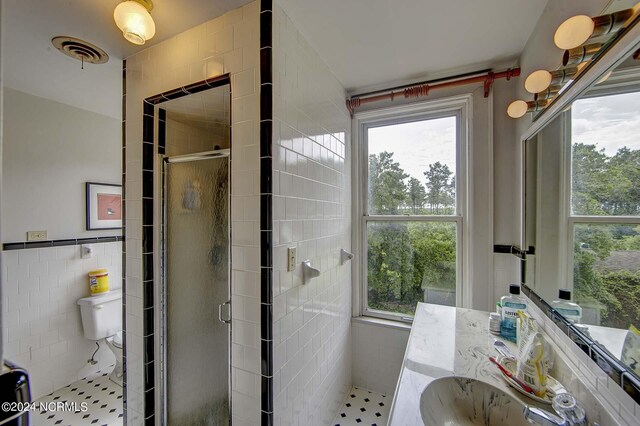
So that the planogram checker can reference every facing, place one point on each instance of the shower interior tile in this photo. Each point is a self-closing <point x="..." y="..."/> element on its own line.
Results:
<point x="363" y="407"/>
<point x="103" y="400"/>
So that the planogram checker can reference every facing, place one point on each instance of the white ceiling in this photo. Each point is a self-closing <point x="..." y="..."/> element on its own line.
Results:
<point x="31" y="64"/>
<point x="369" y="43"/>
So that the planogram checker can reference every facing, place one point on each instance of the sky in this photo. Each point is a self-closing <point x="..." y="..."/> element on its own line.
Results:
<point x="416" y="145"/>
<point x="610" y="122"/>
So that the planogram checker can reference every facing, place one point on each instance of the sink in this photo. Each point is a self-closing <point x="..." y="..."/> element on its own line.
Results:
<point x="461" y="401"/>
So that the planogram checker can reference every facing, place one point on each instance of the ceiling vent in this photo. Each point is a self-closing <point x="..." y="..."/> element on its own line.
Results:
<point x="80" y="50"/>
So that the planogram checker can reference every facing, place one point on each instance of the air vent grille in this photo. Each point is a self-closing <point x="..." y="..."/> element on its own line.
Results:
<point x="80" y="49"/>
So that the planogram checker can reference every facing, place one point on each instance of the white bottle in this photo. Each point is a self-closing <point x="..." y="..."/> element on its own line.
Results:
<point x="511" y="304"/>
<point x="565" y="307"/>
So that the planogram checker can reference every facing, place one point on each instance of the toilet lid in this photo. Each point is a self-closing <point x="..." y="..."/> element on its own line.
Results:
<point x="117" y="339"/>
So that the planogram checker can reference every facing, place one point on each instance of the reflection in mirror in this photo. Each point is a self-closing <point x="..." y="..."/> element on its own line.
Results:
<point x="582" y="212"/>
<point x="198" y="122"/>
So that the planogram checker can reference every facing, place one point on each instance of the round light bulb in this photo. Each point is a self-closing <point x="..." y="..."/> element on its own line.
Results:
<point x="517" y="109"/>
<point x="537" y="81"/>
<point x="135" y="22"/>
<point x="604" y="77"/>
<point x="573" y="32"/>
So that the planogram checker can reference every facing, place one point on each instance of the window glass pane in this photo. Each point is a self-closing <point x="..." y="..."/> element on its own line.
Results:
<point x="606" y="274"/>
<point x="410" y="262"/>
<point x="412" y="168"/>
<point x="606" y="155"/>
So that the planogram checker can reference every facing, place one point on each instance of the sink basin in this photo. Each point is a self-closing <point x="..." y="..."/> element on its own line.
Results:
<point x="461" y="401"/>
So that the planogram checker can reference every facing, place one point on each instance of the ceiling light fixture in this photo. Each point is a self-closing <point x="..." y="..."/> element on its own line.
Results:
<point x="133" y="18"/>
<point x="578" y="29"/>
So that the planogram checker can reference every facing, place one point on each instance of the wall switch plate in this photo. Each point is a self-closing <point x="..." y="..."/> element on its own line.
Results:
<point x="36" y="235"/>
<point x="291" y="258"/>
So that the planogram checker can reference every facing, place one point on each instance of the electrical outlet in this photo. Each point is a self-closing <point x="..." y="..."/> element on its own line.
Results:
<point x="291" y="258"/>
<point x="36" y="235"/>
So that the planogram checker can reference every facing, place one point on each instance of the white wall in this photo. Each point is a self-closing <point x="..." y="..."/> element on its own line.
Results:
<point x="42" y="328"/>
<point x="311" y="211"/>
<point x="227" y="44"/>
<point x="378" y="352"/>
<point x="32" y="65"/>
<point x="50" y="150"/>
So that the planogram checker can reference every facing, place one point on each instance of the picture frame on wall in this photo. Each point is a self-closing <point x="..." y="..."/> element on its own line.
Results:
<point x="104" y="206"/>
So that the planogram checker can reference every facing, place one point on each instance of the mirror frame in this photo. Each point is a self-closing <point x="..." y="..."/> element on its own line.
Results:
<point x="615" y="53"/>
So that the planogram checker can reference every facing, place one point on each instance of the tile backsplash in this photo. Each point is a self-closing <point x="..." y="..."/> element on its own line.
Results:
<point x="583" y="377"/>
<point x="42" y="325"/>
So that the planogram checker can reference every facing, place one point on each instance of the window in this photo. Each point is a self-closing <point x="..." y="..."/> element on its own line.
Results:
<point x="604" y="224"/>
<point x="411" y="221"/>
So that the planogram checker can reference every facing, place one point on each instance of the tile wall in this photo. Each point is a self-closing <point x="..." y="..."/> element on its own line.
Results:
<point x="42" y="328"/>
<point x="311" y="212"/>
<point x="227" y="44"/>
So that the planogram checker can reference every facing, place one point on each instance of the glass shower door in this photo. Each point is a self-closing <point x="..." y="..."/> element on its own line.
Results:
<point x="196" y="291"/>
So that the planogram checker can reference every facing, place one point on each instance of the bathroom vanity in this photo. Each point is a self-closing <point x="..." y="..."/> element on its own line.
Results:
<point x="448" y="342"/>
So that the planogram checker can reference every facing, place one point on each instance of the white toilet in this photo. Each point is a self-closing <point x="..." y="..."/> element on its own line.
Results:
<point x="102" y="319"/>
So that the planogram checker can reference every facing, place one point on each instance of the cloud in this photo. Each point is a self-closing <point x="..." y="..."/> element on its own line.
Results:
<point x="417" y="144"/>
<point x="609" y="122"/>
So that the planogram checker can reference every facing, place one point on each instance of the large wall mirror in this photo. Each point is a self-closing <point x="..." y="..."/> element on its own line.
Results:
<point x="581" y="225"/>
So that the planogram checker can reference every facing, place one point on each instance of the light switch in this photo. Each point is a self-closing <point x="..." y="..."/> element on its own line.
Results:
<point x="291" y="258"/>
<point x="36" y="235"/>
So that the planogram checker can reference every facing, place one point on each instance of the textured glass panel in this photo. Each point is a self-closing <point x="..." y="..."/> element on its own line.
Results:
<point x="606" y="274"/>
<point x="410" y="262"/>
<point x="412" y="168"/>
<point x="606" y="155"/>
<point x="197" y="282"/>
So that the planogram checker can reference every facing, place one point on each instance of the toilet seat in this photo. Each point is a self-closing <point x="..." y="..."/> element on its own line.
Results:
<point x="117" y="340"/>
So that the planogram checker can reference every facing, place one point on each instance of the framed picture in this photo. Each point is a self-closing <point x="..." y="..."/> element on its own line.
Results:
<point x="104" y="206"/>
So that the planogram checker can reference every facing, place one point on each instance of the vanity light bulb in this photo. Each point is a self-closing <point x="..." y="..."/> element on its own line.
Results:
<point x="537" y="81"/>
<point x="604" y="77"/>
<point x="135" y="22"/>
<point x="517" y="109"/>
<point x="574" y="32"/>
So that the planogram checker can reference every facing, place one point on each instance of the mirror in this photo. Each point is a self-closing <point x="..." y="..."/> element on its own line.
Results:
<point x="581" y="211"/>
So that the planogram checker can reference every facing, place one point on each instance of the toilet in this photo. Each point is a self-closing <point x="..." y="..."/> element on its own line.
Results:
<point x="102" y="319"/>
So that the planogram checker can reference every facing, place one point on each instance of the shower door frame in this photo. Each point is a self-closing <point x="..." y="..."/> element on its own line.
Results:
<point x="187" y="158"/>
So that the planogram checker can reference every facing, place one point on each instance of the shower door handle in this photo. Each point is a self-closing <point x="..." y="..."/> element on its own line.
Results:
<point x="220" y="309"/>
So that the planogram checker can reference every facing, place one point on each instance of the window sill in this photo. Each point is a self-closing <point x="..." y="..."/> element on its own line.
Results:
<point x="381" y="322"/>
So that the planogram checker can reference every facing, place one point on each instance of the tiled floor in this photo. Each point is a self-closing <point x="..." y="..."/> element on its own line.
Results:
<point x="363" y="407"/>
<point x="103" y="400"/>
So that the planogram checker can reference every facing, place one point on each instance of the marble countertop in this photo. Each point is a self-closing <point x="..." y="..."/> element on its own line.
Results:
<point x="445" y="341"/>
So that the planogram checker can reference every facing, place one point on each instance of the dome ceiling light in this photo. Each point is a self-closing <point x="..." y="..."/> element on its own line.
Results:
<point x="135" y="21"/>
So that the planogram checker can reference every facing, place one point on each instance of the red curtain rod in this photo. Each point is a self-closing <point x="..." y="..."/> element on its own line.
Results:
<point x="423" y="89"/>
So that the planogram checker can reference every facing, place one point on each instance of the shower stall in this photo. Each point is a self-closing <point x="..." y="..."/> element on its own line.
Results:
<point x="196" y="305"/>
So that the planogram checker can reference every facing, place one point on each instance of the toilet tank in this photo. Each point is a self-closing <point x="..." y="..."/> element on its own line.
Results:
<point x="102" y="314"/>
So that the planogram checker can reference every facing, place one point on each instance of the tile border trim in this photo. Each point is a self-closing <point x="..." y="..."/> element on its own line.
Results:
<point x="266" y="213"/>
<point x="149" y="152"/>
<point x="23" y="245"/>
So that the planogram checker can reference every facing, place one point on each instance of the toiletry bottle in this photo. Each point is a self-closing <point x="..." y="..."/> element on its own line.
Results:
<point x="564" y="306"/>
<point x="511" y="304"/>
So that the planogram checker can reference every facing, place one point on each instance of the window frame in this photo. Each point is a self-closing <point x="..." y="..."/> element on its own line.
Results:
<point x="611" y="88"/>
<point x="458" y="107"/>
